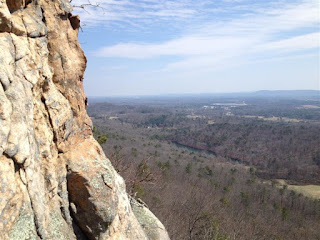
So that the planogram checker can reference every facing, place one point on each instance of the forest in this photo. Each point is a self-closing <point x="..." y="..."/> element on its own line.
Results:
<point x="218" y="167"/>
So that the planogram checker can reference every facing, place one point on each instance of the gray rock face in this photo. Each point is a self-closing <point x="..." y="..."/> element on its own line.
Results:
<point x="55" y="181"/>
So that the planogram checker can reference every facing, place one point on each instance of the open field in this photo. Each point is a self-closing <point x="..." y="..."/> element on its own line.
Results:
<point x="275" y="119"/>
<point x="312" y="191"/>
<point x="311" y="107"/>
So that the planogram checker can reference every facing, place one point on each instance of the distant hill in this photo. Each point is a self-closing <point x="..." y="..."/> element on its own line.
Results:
<point x="310" y="94"/>
<point x="288" y="93"/>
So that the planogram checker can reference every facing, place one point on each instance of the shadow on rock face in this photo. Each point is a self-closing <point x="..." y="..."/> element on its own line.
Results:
<point x="83" y="210"/>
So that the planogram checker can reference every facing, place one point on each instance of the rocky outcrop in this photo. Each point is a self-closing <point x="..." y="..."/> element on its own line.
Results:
<point x="55" y="181"/>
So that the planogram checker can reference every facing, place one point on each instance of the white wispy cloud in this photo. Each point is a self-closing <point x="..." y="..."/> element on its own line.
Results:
<point x="294" y="44"/>
<point x="135" y="12"/>
<point x="264" y="32"/>
<point x="185" y="46"/>
<point x="213" y="35"/>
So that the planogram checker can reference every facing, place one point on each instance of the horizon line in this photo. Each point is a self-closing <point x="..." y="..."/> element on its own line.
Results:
<point x="203" y="93"/>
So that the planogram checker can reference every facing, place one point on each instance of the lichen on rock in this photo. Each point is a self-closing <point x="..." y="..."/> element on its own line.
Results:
<point x="55" y="181"/>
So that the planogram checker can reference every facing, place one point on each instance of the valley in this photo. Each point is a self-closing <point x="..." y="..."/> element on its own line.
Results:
<point x="215" y="171"/>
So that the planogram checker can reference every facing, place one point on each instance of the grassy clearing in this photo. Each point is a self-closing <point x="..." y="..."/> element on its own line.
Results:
<point x="275" y="119"/>
<point x="312" y="191"/>
<point x="310" y="106"/>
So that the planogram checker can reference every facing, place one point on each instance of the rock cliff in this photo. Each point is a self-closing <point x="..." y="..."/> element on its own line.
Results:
<point x="55" y="181"/>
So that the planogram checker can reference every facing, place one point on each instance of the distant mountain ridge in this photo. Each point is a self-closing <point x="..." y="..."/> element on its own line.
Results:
<point x="290" y="93"/>
<point x="261" y="93"/>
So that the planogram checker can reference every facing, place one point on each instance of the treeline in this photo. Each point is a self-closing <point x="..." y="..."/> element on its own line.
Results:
<point x="278" y="150"/>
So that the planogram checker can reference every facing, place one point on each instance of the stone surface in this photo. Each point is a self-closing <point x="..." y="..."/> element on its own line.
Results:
<point x="55" y="181"/>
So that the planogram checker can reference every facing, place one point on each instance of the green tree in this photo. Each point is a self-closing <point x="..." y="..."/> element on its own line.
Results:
<point x="285" y="213"/>
<point x="102" y="139"/>
<point x="189" y="168"/>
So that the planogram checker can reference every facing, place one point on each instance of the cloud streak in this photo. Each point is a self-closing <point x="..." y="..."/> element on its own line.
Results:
<point x="225" y="42"/>
<point x="137" y="12"/>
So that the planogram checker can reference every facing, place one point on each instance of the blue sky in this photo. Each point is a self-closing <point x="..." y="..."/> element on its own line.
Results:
<point x="146" y="47"/>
